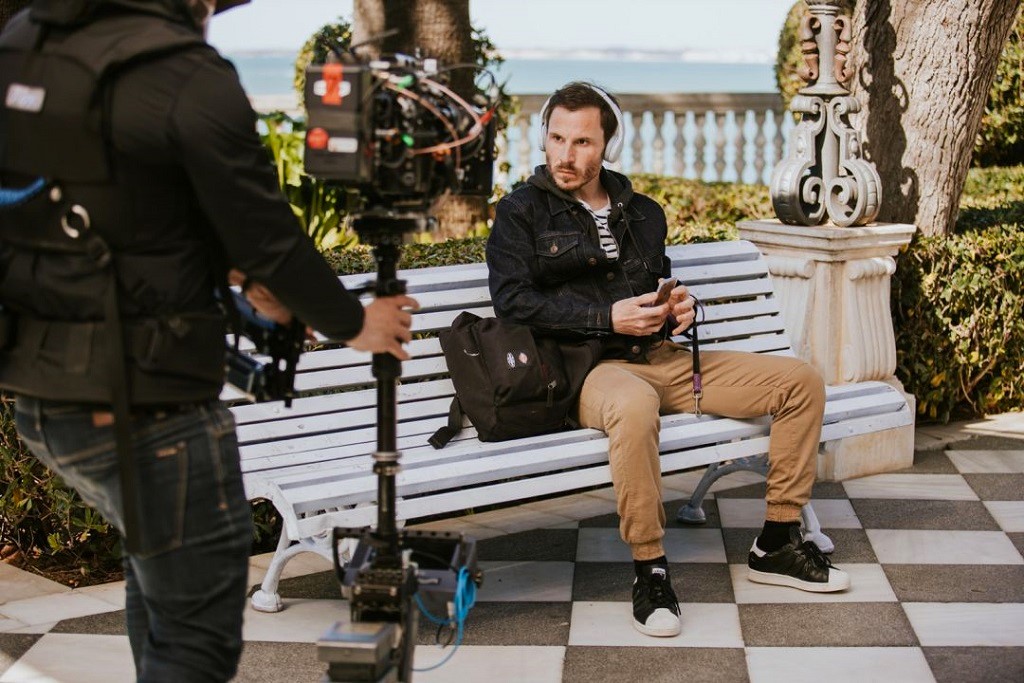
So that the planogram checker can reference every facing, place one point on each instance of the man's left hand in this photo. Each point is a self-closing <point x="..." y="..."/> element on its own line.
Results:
<point x="681" y="307"/>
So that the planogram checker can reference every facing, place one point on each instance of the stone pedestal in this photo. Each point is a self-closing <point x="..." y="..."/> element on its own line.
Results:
<point x="833" y="287"/>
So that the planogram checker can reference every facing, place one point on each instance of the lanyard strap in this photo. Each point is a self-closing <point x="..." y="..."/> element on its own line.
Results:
<point x="694" y="337"/>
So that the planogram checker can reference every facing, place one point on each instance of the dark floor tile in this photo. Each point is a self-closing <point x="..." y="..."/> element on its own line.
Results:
<point x="265" y="662"/>
<point x="511" y="623"/>
<point x="997" y="486"/>
<point x="613" y="582"/>
<point x="13" y="646"/>
<point x="852" y="545"/>
<point x="821" y="490"/>
<point x="318" y="586"/>
<point x="976" y="664"/>
<point x="106" y="624"/>
<point x="965" y="515"/>
<point x="956" y="583"/>
<point x="988" y="443"/>
<point x="557" y="545"/>
<point x="1018" y="540"/>
<point x="932" y="462"/>
<point x="654" y="664"/>
<point x="857" y="624"/>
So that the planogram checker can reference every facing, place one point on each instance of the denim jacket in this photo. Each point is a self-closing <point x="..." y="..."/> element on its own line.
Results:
<point x="548" y="270"/>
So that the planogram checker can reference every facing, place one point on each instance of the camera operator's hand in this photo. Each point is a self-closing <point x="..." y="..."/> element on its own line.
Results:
<point x="265" y="303"/>
<point x="386" y="326"/>
<point x="637" y="317"/>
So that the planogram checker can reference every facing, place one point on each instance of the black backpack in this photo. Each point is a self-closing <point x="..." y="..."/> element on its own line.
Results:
<point x="509" y="382"/>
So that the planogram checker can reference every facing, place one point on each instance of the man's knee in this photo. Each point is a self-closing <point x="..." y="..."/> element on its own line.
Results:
<point x="632" y="411"/>
<point x="805" y="380"/>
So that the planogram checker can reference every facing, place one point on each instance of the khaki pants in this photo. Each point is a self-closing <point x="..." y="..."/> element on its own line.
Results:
<point x="625" y="399"/>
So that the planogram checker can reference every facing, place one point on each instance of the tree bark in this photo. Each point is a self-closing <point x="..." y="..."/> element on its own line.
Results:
<point x="8" y="8"/>
<point x="441" y="29"/>
<point x="924" y="73"/>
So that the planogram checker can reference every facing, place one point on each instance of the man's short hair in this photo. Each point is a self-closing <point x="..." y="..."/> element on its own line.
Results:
<point x="579" y="95"/>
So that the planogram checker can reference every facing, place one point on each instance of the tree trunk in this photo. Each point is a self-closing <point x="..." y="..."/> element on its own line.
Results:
<point x="8" y="8"/>
<point x="925" y="70"/>
<point x="441" y="29"/>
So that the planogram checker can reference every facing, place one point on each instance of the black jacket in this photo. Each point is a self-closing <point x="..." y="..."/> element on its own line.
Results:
<point x="548" y="270"/>
<point x="195" y="189"/>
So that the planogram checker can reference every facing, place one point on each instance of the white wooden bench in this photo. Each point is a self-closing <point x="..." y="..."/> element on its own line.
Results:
<point x="313" y="461"/>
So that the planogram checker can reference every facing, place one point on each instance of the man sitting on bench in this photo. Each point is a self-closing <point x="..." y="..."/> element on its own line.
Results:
<point x="576" y="252"/>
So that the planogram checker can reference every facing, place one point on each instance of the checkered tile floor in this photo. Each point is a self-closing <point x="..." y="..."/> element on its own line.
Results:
<point x="934" y="553"/>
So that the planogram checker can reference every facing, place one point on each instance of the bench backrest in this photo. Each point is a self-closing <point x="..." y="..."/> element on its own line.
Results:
<point x="731" y="279"/>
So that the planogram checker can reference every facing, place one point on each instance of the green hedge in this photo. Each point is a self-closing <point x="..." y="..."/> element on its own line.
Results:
<point x="958" y="305"/>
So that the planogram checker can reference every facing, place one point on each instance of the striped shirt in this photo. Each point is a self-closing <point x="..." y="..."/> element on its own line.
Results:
<point x="604" y="234"/>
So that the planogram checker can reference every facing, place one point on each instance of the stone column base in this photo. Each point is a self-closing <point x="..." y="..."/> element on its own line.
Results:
<point x="859" y="456"/>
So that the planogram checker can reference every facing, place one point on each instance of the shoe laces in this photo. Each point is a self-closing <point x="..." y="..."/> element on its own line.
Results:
<point x="813" y="552"/>
<point x="660" y="594"/>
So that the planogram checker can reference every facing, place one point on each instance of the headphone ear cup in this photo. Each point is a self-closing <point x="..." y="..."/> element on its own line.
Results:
<point x="544" y="123"/>
<point x="613" y="149"/>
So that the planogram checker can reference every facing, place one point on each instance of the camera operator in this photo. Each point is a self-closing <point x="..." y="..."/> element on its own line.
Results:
<point x="165" y="168"/>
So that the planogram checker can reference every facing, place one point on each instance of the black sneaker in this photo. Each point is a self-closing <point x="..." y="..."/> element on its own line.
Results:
<point x="799" y="564"/>
<point x="655" y="607"/>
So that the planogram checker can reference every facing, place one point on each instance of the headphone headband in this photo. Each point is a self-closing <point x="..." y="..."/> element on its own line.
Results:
<point x="613" y="148"/>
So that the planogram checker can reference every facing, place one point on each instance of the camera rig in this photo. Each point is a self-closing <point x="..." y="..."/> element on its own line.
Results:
<point x="273" y="380"/>
<point x="393" y="130"/>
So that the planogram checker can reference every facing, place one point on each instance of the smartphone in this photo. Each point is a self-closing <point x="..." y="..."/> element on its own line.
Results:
<point x="664" y="290"/>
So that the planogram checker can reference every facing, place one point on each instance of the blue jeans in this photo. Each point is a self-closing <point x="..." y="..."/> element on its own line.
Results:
<point x="186" y="586"/>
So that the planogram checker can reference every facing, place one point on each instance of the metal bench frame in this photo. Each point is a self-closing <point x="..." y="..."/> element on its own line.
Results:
<point x="313" y="462"/>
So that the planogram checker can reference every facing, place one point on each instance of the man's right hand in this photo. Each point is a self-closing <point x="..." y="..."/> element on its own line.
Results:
<point x="637" y="317"/>
<point x="386" y="326"/>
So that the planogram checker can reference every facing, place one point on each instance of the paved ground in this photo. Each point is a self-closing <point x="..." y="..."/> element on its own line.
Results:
<point x="936" y="554"/>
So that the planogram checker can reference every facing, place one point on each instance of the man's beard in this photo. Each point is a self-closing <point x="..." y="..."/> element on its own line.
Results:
<point x="579" y="177"/>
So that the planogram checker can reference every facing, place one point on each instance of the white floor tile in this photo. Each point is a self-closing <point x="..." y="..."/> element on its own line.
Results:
<point x="610" y="624"/>
<point x="838" y="665"/>
<point x="987" y="462"/>
<point x="51" y="608"/>
<point x="967" y="624"/>
<point x="868" y="583"/>
<point x="17" y="584"/>
<point x="108" y="592"/>
<point x="911" y="487"/>
<point x="301" y="621"/>
<point x="900" y="546"/>
<point x="1009" y="514"/>
<point x="576" y="507"/>
<point x="681" y="545"/>
<point x="746" y="513"/>
<point x="74" y="658"/>
<point x="526" y="582"/>
<point x="9" y="624"/>
<point x="493" y="664"/>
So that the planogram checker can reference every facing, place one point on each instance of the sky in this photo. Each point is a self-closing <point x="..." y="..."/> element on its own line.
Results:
<point x="705" y="25"/>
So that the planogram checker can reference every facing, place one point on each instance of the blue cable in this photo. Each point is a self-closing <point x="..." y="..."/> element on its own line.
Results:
<point x="12" y="197"/>
<point x="465" y="598"/>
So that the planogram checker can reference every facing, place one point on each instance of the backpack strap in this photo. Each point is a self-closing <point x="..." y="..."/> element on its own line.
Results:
<point x="445" y="434"/>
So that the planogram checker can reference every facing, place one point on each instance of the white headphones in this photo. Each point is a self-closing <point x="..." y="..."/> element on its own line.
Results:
<point x="613" y="148"/>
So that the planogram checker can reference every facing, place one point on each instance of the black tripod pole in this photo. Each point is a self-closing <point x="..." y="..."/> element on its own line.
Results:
<point x="387" y="369"/>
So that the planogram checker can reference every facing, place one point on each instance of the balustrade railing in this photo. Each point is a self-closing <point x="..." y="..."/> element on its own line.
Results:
<point x="712" y="136"/>
<point x="730" y="137"/>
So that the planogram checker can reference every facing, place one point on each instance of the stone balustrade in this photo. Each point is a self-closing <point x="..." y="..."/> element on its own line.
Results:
<point x="712" y="136"/>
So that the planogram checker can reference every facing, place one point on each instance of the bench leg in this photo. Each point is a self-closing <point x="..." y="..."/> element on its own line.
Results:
<point x="692" y="512"/>
<point x="266" y="598"/>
